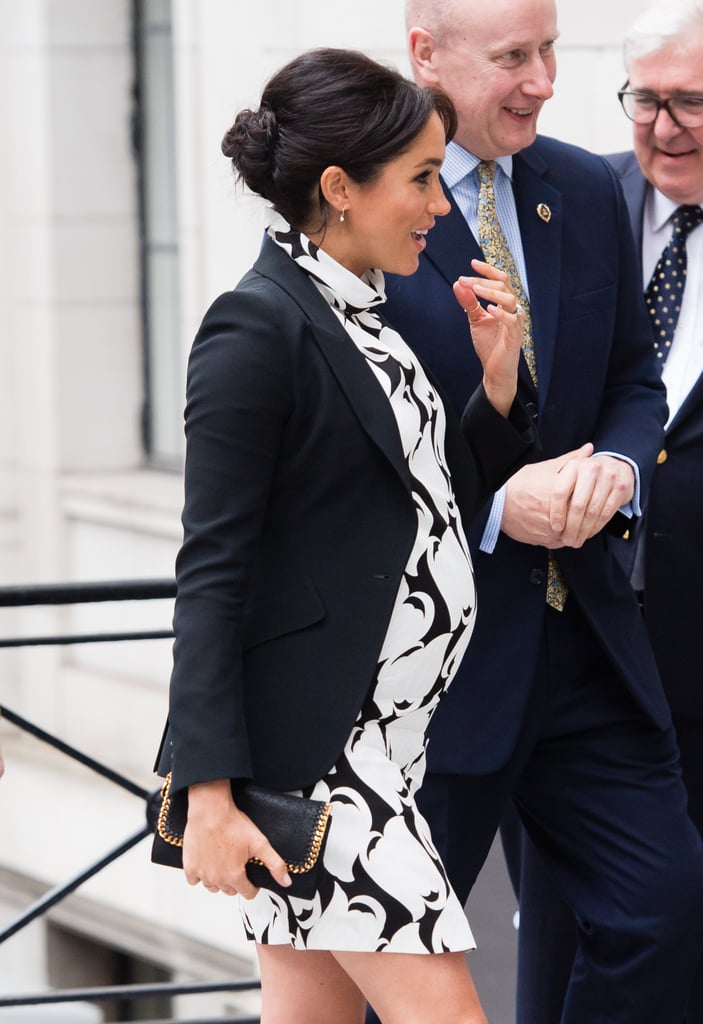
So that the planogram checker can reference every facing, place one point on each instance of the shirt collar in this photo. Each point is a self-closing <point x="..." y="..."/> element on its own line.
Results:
<point x="660" y="209"/>
<point x="458" y="163"/>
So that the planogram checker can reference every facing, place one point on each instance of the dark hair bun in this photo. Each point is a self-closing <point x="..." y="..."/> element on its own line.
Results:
<point x="251" y="146"/>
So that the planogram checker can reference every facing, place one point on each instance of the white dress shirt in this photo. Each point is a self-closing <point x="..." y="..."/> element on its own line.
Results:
<point x="684" y="363"/>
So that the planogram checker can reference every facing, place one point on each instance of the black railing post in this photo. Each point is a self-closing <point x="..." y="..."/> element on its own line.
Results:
<point x="90" y="593"/>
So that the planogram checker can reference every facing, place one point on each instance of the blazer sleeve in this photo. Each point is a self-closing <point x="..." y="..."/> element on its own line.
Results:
<point x="633" y="410"/>
<point x="500" y="445"/>
<point x="238" y="397"/>
<point x="497" y="447"/>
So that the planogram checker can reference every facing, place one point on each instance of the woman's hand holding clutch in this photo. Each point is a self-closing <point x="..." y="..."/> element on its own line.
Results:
<point x="220" y="839"/>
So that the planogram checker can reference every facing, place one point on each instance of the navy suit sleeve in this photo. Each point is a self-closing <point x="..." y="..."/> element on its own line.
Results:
<point x="633" y="410"/>
<point x="499" y="444"/>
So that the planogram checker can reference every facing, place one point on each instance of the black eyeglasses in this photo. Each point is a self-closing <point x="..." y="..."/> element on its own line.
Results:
<point x="685" y="110"/>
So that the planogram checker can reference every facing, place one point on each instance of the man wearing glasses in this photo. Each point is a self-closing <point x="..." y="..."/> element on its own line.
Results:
<point x="663" y="184"/>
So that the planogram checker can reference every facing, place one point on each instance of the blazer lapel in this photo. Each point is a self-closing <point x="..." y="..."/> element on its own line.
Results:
<point x="362" y="390"/>
<point x="693" y="402"/>
<point x="450" y="247"/>
<point x="365" y="395"/>
<point x="634" y="185"/>
<point x="541" y="235"/>
<point x="450" y="244"/>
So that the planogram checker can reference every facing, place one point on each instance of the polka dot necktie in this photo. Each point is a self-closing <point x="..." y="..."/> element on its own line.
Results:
<point x="496" y="251"/>
<point x="665" y="291"/>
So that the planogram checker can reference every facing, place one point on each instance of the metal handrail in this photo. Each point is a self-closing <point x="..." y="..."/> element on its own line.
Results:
<point x="103" y="993"/>
<point x="89" y="593"/>
<point x="86" y="593"/>
<point x="26" y="595"/>
<point x="114" y="993"/>
<point x="74" y="753"/>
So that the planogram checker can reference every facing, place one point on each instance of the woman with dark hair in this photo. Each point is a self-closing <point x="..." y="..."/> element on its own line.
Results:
<point x="325" y="588"/>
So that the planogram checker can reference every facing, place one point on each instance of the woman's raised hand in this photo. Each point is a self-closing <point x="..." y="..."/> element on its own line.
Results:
<point x="496" y="331"/>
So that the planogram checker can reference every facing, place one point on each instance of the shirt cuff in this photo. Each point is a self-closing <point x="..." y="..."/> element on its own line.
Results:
<point x="632" y="508"/>
<point x="492" y="527"/>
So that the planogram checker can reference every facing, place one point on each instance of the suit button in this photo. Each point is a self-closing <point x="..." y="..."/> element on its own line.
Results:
<point x="537" y="577"/>
<point x="662" y="457"/>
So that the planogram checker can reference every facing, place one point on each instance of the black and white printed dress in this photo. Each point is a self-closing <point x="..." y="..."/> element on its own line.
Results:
<point x="383" y="885"/>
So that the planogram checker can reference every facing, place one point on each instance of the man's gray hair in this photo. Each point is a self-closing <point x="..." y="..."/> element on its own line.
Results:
<point x="662" y="22"/>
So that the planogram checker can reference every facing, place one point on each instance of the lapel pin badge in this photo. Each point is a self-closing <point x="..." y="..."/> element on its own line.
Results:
<point x="544" y="213"/>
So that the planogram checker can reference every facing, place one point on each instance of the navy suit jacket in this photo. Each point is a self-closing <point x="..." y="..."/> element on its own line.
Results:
<point x="298" y="523"/>
<point x="673" y="523"/>
<point x="597" y="382"/>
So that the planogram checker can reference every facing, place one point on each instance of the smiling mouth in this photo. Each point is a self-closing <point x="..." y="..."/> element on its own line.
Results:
<point x="419" y="234"/>
<point x="674" y="156"/>
<point x="521" y="111"/>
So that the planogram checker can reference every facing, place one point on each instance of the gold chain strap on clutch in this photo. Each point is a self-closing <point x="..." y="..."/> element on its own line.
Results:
<point x="254" y="800"/>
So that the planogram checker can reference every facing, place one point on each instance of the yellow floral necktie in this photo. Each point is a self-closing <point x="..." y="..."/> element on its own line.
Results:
<point x="496" y="251"/>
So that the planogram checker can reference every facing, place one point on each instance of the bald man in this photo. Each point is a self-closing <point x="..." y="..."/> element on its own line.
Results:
<point x="558" y="705"/>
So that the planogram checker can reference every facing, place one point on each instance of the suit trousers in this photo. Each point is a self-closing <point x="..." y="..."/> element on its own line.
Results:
<point x="548" y="935"/>
<point x="598" y="787"/>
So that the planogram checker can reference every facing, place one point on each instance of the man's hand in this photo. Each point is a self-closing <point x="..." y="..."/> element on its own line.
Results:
<point x="587" y="494"/>
<point x="528" y="500"/>
<point x="563" y="502"/>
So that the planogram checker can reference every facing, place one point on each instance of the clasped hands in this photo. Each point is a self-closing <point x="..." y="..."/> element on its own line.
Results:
<point x="565" y="501"/>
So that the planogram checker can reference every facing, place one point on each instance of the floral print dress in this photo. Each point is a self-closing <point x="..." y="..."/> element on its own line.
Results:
<point x="383" y="886"/>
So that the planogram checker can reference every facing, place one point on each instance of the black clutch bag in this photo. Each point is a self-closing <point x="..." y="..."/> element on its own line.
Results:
<point x="295" y="826"/>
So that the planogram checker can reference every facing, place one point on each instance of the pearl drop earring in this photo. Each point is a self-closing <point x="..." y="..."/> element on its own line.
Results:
<point x="341" y="216"/>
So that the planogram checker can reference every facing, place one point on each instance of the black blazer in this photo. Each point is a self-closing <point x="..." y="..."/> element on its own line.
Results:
<point x="298" y="522"/>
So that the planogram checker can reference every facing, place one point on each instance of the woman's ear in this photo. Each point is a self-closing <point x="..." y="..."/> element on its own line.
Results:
<point x="334" y="185"/>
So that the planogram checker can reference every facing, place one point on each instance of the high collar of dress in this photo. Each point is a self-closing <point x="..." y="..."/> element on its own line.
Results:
<point x="343" y="289"/>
